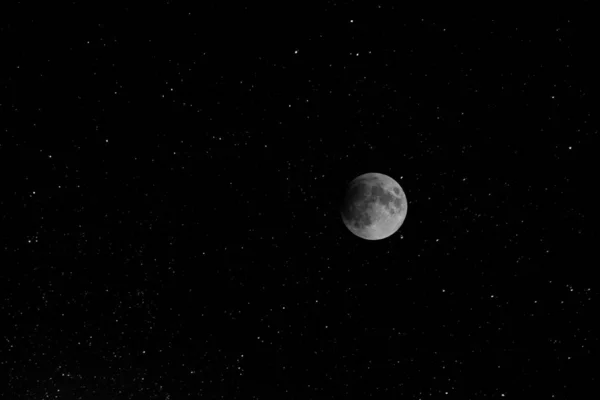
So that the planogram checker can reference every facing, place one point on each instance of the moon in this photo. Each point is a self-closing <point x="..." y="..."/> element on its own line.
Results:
<point x="364" y="215"/>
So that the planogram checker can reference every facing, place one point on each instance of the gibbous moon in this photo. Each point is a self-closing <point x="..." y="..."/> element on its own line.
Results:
<point x="374" y="206"/>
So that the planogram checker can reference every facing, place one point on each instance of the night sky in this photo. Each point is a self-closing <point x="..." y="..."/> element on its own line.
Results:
<point x="170" y="210"/>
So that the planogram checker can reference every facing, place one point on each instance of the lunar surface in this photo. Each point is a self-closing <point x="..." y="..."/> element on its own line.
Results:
<point x="374" y="206"/>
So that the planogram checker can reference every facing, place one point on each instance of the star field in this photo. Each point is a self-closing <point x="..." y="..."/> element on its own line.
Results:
<point x="169" y="218"/>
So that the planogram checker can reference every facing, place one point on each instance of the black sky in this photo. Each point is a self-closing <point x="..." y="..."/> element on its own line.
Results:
<point x="169" y="218"/>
